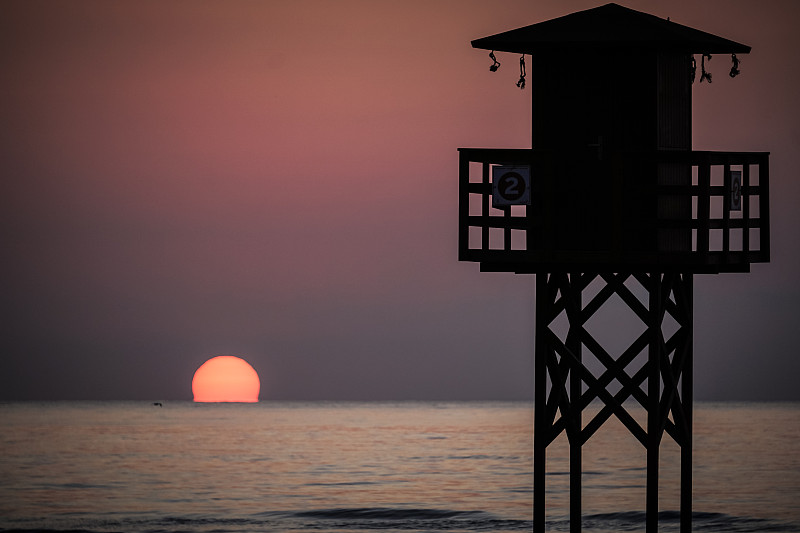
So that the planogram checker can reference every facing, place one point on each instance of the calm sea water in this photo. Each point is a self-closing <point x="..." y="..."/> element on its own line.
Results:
<point x="330" y="467"/>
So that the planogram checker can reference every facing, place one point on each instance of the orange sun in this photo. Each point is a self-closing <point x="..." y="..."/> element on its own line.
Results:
<point x="226" y="379"/>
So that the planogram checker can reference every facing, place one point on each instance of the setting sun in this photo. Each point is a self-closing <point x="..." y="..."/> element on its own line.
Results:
<point x="226" y="378"/>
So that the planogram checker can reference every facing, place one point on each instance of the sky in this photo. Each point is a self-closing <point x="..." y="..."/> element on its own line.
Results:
<point x="278" y="181"/>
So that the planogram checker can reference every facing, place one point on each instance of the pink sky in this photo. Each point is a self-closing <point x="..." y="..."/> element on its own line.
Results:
<point x="277" y="180"/>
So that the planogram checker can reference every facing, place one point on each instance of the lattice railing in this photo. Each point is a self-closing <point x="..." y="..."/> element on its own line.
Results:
<point x="722" y="199"/>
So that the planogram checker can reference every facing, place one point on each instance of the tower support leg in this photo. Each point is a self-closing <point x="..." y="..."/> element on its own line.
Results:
<point x="571" y="291"/>
<point x="564" y="385"/>
<point x="653" y="401"/>
<point x="687" y="398"/>
<point x="540" y="423"/>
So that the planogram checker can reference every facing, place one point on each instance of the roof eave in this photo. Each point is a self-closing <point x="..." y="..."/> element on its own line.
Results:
<point x="609" y="26"/>
<point x="532" y="48"/>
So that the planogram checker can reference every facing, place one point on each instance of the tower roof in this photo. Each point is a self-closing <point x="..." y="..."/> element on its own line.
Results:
<point x="609" y="26"/>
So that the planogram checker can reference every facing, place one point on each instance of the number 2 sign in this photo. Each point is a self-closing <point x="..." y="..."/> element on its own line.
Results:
<point x="511" y="185"/>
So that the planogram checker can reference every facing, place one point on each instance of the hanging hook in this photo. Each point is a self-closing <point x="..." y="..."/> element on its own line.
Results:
<point x="703" y="74"/>
<point x="495" y="63"/>
<point x="735" y="68"/>
<point x="521" y="82"/>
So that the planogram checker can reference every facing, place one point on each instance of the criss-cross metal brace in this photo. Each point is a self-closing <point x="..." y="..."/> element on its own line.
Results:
<point x="661" y="385"/>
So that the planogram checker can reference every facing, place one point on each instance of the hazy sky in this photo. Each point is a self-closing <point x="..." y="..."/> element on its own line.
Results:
<point x="277" y="181"/>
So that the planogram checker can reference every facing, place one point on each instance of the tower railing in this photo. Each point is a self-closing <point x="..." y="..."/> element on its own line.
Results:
<point x="722" y="214"/>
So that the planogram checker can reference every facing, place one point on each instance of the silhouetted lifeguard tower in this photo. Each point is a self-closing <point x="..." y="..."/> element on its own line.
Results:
<point x="612" y="194"/>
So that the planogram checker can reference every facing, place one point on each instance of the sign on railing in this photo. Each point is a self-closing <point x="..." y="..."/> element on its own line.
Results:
<point x="511" y="185"/>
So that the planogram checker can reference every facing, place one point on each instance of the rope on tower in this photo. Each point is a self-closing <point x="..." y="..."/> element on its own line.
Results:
<point x="521" y="82"/>
<point x="735" y="67"/>
<point x="495" y="63"/>
<point x="703" y="74"/>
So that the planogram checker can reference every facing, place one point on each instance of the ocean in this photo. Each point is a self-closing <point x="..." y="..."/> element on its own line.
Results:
<point x="136" y="467"/>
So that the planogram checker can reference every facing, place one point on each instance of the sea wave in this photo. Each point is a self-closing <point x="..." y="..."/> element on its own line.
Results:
<point x="383" y="518"/>
<point x="670" y="521"/>
<point x="334" y="519"/>
<point x="415" y="519"/>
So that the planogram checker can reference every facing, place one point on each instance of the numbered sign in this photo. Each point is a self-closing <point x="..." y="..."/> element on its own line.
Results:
<point x="511" y="185"/>
<point x="736" y="190"/>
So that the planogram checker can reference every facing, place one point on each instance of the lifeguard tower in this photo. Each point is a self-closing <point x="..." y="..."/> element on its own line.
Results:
<point x="611" y="192"/>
